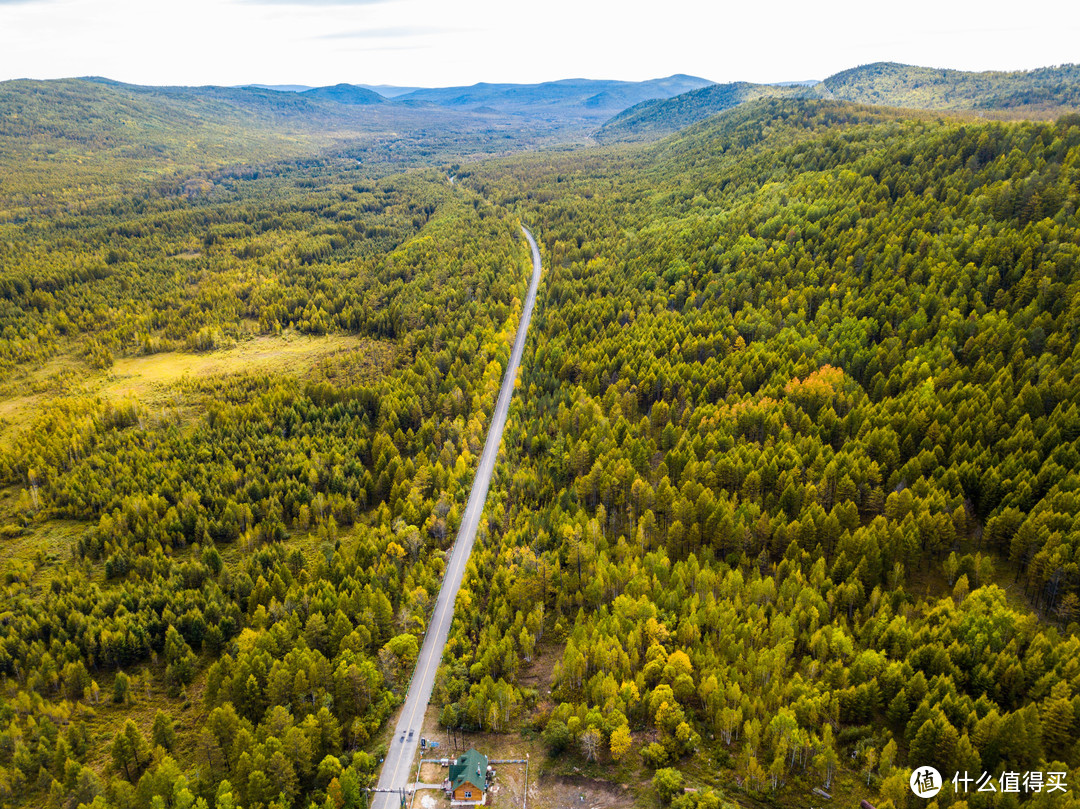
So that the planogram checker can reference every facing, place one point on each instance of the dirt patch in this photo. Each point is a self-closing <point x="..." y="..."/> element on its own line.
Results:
<point x="578" y="792"/>
<point x="540" y="673"/>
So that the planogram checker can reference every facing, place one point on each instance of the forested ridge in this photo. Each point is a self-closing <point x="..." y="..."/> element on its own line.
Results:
<point x="787" y="499"/>
<point x="662" y="116"/>
<point x="803" y="410"/>
<point x="1041" y="94"/>
<point x="1032" y="92"/>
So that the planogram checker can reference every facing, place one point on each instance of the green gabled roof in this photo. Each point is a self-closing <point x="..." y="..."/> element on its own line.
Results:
<point x="470" y="768"/>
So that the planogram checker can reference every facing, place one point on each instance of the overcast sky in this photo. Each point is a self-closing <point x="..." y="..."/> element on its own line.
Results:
<point x="447" y="42"/>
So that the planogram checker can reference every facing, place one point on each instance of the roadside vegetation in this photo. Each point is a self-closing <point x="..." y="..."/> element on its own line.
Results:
<point x="216" y="588"/>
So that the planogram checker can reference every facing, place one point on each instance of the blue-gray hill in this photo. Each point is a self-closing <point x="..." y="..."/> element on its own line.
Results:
<point x="350" y="94"/>
<point x="585" y="98"/>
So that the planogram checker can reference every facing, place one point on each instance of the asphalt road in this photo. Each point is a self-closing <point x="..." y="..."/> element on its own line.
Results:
<point x="397" y="768"/>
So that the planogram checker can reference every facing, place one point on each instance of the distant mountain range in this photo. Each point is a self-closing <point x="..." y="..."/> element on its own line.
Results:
<point x="87" y="122"/>
<point x="385" y="90"/>
<point x="281" y="88"/>
<point x="389" y="90"/>
<point x="590" y="96"/>
<point x="646" y="110"/>
<point x="586" y="99"/>
<point x="1042" y="93"/>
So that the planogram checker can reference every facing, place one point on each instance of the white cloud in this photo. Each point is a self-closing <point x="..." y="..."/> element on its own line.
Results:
<point x="391" y="32"/>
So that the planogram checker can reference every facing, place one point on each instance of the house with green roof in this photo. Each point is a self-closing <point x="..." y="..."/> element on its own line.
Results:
<point x="468" y="779"/>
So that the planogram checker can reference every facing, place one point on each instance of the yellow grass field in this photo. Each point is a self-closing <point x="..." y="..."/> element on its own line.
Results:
<point x="289" y="354"/>
<point x="159" y="379"/>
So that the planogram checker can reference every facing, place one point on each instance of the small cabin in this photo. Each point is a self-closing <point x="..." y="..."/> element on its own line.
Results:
<point x="468" y="780"/>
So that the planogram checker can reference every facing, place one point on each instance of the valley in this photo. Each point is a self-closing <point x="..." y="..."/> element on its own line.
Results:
<point x="765" y="485"/>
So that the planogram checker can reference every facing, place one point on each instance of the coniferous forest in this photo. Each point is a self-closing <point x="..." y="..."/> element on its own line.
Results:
<point x="788" y="499"/>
